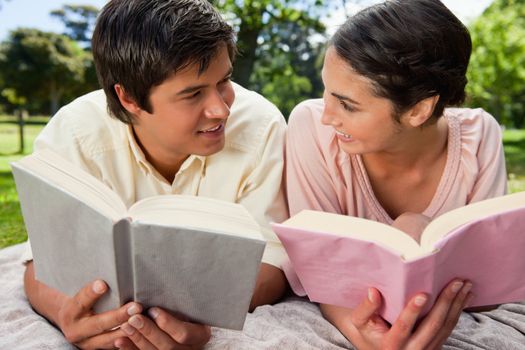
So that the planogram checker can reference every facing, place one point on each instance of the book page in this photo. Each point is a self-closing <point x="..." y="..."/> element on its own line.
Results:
<point x="69" y="177"/>
<point x="446" y="223"/>
<point x="198" y="213"/>
<point x="362" y="229"/>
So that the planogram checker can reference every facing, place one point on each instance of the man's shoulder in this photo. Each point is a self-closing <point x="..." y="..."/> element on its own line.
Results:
<point x="251" y="120"/>
<point x="86" y="123"/>
<point x="90" y="108"/>
<point x="250" y="104"/>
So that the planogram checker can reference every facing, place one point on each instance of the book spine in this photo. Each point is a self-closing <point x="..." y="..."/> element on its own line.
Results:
<point x="124" y="260"/>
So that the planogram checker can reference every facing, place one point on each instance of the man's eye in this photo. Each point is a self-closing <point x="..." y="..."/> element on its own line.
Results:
<point x="194" y="95"/>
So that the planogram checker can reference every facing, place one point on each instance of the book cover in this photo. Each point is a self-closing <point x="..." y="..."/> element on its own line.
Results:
<point x="197" y="257"/>
<point x="336" y="269"/>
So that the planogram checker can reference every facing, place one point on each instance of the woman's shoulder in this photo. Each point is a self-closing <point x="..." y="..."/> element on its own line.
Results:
<point x="308" y="110"/>
<point x="305" y="119"/>
<point x="477" y="138"/>
<point x="474" y="120"/>
<point x="475" y="126"/>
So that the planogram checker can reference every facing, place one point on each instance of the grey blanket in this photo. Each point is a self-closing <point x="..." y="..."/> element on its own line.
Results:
<point x="292" y="324"/>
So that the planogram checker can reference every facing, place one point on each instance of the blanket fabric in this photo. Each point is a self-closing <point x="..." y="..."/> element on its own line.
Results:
<point x="294" y="323"/>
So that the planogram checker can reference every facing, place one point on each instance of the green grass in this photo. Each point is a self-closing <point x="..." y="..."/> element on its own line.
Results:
<point x="12" y="227"/>
<point x="514" y="145"/>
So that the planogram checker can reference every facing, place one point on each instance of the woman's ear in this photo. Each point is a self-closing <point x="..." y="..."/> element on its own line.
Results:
<point x="422" y="111"/>
<point x="127" y="102"/>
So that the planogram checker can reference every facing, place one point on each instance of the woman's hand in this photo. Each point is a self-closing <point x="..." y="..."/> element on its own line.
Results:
<point x="367" y="330"/>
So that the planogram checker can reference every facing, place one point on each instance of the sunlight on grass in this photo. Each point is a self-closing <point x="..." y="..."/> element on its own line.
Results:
<point x="12" y="229"/>
<point x="514" y="145"/>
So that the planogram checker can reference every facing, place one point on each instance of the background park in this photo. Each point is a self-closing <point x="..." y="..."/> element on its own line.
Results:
<point x="282" y="44"/>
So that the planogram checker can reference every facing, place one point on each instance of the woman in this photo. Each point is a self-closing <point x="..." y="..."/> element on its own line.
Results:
<point x="381" y="145"/>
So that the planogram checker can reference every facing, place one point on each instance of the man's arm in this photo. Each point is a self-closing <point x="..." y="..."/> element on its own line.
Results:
<point x="74" y="315"/>
<point x="45" y="300"/>
<point x="270" y="286"/>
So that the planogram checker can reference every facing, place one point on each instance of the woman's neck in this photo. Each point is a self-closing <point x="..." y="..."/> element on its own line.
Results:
<point x="415" y="150"/>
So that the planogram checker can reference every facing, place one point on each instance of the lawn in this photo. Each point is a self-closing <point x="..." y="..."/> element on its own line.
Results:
<point x="11" y="224"/>
<point x="514" y="143"/>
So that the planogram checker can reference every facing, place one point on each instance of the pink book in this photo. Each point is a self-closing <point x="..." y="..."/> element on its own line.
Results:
<point x="335" y="258"/>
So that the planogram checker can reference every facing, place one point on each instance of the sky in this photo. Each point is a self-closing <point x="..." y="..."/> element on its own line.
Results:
<point x="35" y="14"/>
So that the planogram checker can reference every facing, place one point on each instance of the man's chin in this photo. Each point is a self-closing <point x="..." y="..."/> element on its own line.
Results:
<point x="210" y="150"/>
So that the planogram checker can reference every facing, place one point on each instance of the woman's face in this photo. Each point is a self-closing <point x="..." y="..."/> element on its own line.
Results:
<point x="362" y="121"/>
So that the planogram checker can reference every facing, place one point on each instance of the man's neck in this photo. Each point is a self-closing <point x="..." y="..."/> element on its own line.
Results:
<point x="167" y="165"/>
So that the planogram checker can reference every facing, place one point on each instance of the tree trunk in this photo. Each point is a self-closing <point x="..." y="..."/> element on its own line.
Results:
<point x="21" y="114"/>
<point x="54" y="97"/>
<point x="247" y="43"/>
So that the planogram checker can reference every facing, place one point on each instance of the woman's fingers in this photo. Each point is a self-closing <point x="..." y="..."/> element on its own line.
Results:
<point x="442" y="318"/>
<point x="401" y="331"/>
<point x="362" y="314"/>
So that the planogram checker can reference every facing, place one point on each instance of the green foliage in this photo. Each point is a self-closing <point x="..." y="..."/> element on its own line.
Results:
<point x="79" y="21"/>
<point x="277" y="57"/>
<point x="41" y="66"/>
<point x="497" y="68"/>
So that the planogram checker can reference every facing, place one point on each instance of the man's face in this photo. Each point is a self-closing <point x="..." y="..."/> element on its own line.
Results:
<point x="189" y="113"/>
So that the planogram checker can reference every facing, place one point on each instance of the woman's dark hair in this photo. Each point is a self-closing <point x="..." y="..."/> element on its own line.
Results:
<point x="140" y="43"/>
<point x="410" y="50"/>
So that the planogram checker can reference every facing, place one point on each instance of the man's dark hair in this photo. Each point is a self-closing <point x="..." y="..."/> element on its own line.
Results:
<point x="140" y="43"/>
<point x="410" y="50"/>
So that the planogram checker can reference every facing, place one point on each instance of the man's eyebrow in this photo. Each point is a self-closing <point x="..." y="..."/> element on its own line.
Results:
<point x="193" y="88"/>
<point x="344" y="98"/>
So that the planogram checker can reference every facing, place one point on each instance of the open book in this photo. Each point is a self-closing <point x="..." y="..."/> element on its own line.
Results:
<point x="197" y="257"/>
<point x="335" y="258"/>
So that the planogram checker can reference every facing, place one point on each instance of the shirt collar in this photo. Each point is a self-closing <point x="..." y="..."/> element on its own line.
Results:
<point x="140" y="157"/>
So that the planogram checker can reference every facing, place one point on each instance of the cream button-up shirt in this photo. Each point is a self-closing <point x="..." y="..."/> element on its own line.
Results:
<point x="247" y="171"/>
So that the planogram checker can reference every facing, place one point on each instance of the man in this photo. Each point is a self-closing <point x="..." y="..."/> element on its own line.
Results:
<point x="169" y="121"/>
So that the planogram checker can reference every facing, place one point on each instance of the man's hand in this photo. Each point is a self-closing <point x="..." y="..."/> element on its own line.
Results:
<point x="367" y="330"/>
<point x="162" y="331"/>
<point x="74" y="316"/>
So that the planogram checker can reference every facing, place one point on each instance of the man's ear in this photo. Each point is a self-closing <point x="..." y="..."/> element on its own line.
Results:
<point x="422" y="111"/>
<point x="127" y="102"/>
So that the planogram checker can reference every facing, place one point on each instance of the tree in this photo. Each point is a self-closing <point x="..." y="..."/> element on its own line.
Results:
<point x="270" y="34"/>
<point x="288" y="71"/>
<point x="497" y="68"/>
<point x="79" y="21"/>
<point x="41" y="65"/>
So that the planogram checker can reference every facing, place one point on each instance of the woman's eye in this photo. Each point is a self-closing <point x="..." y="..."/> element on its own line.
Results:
<point x="347" y="106"/>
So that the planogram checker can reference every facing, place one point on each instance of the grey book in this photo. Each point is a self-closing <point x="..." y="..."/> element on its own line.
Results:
<point x="197" y="257"/>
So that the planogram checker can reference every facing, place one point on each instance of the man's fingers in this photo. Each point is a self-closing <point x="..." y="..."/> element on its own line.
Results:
<point x="101" y="341"/>
<point x="185" y="333"/>
<point x="110" y="319"/>
<point x="84" y="300"/>
<point x="368" y="307"/>
<point x="402" y="328"/>
<point x="143" y="331"/>
<point x="136" y="337"/>
<point x="125" y="344"/>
